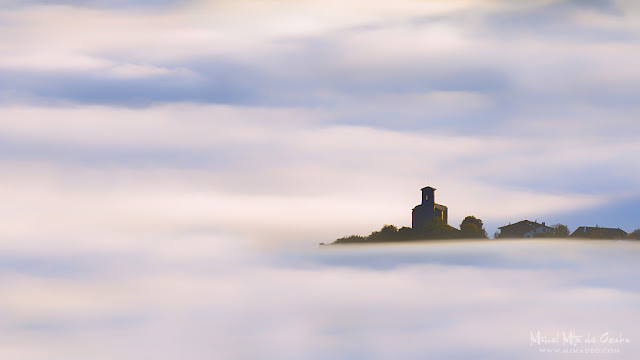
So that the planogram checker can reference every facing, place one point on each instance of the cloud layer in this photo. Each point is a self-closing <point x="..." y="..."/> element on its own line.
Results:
<point x="531" y="106"/>
<point x="167" y="168"/>
<point x="224" y="164"/>
<point x="447" y="300"/>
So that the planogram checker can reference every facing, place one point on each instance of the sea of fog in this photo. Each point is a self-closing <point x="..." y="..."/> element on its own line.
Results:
<point x="203" y="297"/>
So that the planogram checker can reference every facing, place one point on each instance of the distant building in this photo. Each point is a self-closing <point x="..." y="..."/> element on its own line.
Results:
<point x="524" y="229"/>
<point x="428" y="209"/>
<point x="599" y="233"/>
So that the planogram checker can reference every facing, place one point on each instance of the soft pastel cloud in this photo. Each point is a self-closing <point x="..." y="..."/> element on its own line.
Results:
<point x="167" y="168"/>
<point x="270" y="52"/>
<point x="302" y="305"/>
<point x="188" y="166"/>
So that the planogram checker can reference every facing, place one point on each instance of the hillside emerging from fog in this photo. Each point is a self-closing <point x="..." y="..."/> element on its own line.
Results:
<point x="429" y="222"/>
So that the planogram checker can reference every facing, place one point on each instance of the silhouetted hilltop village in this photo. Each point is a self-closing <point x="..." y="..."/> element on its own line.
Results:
<point x="429" y="220"/>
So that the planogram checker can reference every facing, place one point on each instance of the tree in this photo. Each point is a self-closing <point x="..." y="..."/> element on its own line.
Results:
<point x="436" y="228"/>
<point x="388" y="231"/>
<point x="635" y="234"/>
<point x="560" y="231"/>
<point x="405" y="233"/>
<point x="473" y="228"/>
<point x="351" y="239"/>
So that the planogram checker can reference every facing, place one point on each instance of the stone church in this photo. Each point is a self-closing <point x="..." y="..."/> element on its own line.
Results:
<point x="427" y="209"/>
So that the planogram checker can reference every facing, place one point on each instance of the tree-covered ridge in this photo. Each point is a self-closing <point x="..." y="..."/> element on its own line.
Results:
<point x="433" y="229"/>
<point x="436" y="229"/>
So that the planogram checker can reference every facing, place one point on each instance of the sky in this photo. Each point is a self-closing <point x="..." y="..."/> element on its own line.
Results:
<point x="154" y="145"/>
<point x="298" y="121"/>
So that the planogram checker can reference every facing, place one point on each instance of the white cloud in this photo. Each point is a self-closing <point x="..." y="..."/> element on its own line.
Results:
<point x="165" y="307"/>
<point x="46" y="61"/>
<point x="174" y="126"/>
<point x="137" y="71"/>
<point x="277" y="167"/>
<point x="167" y="231"/>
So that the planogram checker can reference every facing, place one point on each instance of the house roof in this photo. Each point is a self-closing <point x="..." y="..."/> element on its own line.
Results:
<point x="602" y="232"/>
<point x="521" y="227"/>
<point x="523" y="224"/>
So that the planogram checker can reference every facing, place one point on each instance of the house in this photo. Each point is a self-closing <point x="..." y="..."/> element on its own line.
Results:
<point x="427" y="209"/>
<point x="525" y="229"/>
<point x="597" y="232"/>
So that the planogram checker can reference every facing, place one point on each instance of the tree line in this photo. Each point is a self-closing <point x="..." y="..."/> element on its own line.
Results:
<point x="434" y="228"/>
<point x="470" y="228"/>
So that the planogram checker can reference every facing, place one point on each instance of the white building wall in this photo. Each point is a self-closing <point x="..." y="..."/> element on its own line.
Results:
<point x="539" y="229"/>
